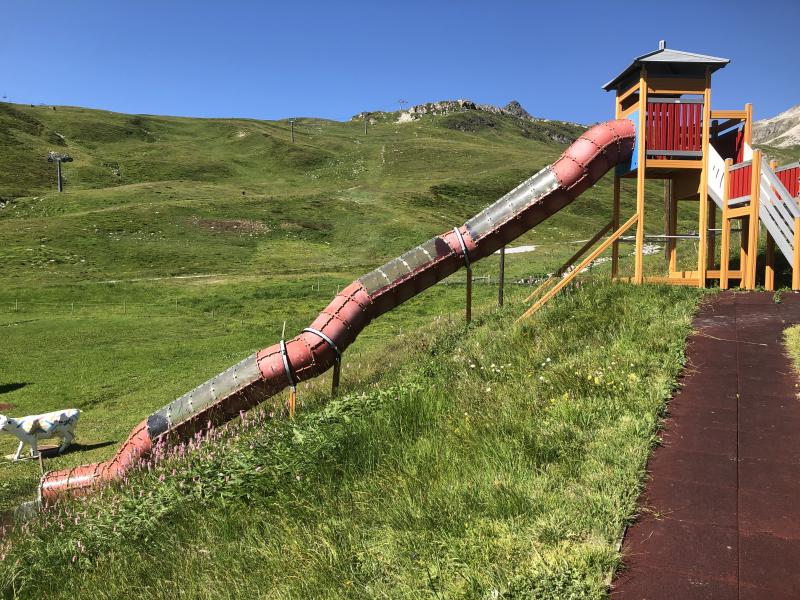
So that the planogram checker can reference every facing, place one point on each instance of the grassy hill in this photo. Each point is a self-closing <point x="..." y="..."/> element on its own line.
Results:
<point x="182" y="245"/>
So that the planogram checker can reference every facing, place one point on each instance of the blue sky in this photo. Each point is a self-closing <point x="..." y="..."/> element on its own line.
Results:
<point x="333" y="59"/>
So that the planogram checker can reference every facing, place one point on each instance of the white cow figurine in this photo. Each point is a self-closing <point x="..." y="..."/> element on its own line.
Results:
<point x="31" y="429"/>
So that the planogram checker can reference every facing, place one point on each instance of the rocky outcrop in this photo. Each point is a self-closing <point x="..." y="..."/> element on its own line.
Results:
<point x="781" y="131"/>
<point x="468" y="116"/>
<point x="446" y="107"/>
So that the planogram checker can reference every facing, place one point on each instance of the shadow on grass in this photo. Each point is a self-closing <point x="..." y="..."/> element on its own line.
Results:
<point x="10" y="387"/>
<point x="52" y="451"/>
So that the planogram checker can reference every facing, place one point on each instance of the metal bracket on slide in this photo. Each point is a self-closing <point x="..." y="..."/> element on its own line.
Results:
<point x="463" y="246"/>
<point x="286" y="368"/>
<point x="319" y="334"/>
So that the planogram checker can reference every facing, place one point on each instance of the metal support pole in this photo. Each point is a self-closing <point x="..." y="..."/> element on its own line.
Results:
<point x="58" y="174"/>
<point x="502" y="279"/>
<point x="366" y="120"/>
<point x="614" y="227"/>
<point x="291" y="121"/>
<point x="337" y="373"/>
<point x="469" y="295"/>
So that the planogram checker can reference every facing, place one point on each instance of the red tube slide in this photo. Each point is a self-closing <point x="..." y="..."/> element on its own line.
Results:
<point x="315" y="350"/>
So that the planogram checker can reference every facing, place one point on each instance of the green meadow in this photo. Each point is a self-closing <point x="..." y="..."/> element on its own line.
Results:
<point x="488" y="460"/>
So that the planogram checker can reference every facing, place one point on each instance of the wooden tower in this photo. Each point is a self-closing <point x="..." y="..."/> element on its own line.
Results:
<point x="706" y="156"/>
<point x="702" y="156"/>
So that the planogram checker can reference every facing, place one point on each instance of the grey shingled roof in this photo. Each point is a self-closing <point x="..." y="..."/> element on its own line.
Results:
<point x="667" y="61"/>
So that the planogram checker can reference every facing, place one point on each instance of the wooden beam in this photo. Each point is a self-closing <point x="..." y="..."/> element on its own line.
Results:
<point x="675" y="85"/>
<point x="717" y="274"/>
<point x="725" y="246"/>
<point x="738" y="213"/>
<point x="727" y="124"/>
<point x="574" y="273"/>
<point x="560" y="271"/>
<point x="729" y="114"/>
<point x="702" y="258"/>
<point x="628" y="111"/>
<point x="638" y="259"/>
<point x="622" y="96"/>
<point x="673" y="280"/>
<point x="673" y="163"/>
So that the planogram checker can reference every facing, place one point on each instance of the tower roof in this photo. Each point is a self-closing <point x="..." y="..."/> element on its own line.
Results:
<point x="666" y="61"/>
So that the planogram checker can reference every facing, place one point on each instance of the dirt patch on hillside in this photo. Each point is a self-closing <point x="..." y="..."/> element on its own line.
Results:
<point x="230" y="225"/>
<point x="5" y="406"/>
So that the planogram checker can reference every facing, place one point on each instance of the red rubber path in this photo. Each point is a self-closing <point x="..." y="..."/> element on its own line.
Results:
<point x="720" y="514"/>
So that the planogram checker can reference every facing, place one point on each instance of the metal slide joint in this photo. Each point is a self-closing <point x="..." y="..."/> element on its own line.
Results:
<point x="286" y="367"/>
<point x="463" y="246"/>
<point x="329" y="341"/>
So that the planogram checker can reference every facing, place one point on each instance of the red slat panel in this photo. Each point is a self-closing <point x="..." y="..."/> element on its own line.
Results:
<point x="697" y="132"/>
<point x="685" y="128"/>
<point x="671" y="136"/>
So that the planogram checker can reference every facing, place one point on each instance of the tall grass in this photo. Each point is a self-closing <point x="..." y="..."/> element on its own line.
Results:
<point x="496" y="461"/>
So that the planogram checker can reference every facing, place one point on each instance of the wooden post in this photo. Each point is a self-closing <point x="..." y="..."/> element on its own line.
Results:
<point x="667" y="218"/>
<point x="337" y="373"/>
<point x="469" y="295"/>
<point x="638" y="264"/>
<point x="796" y="256"/>
<point x="291" y="122"/>
<point x="292" y="404"/>
<point x="58" y="175"/>
<point x="614" y="226"/>
<point x="744" y="259"/>
<point x="502" y="277"/>
<point x="725" y="248"/>
<point x="366" y="120"/>
<point x="712" y="236"/>
<point x="769" y="267"/>
<point x="748" y="124"/>
<point x="755" y="223"/>
<point x="702" y="260"/>
<point x="673" y="228"/>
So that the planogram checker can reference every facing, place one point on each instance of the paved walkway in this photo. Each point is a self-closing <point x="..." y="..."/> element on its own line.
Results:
<point x="721" y="510"/>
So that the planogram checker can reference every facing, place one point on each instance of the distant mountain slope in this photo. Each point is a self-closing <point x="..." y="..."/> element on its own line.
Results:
<point x="476" y="116"/>
<point x="781" y="131"/>
<point x="114" y="149"/>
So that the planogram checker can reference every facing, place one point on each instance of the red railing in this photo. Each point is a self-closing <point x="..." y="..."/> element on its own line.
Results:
<point x="790" y="178"/>
<point x="741" y="180"/>
<point x="675" y="127"/>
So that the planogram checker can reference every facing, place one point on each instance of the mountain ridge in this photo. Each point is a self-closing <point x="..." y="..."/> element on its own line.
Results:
<point x="780" y="131"/>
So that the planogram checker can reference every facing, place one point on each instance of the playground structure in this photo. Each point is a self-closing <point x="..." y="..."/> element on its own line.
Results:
<point x="664" y="129"/>
<point x="702" y="155"/>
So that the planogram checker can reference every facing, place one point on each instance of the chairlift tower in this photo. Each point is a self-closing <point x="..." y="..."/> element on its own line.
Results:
<point x="58" y="158"/>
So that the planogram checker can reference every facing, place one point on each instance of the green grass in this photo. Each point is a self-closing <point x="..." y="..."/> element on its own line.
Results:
<point x="182" y="245"/>
<point x="128" y="289"/>
<point x="792" y="340"/>
<point x="486" y="461"/>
